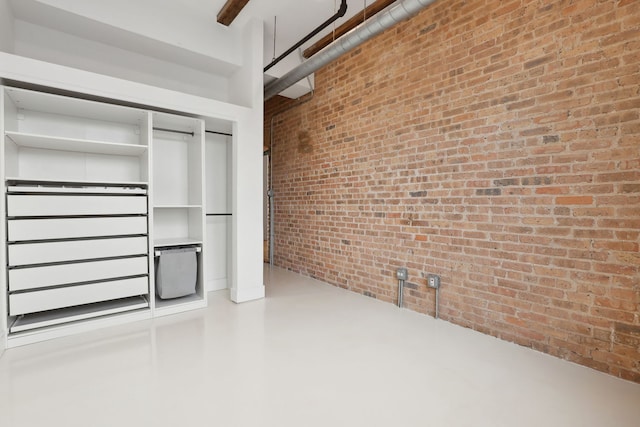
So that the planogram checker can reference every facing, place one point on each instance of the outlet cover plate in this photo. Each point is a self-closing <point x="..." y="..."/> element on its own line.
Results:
<point x="433" y="281"/>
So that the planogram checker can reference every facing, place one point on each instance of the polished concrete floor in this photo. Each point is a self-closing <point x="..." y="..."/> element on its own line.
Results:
<point x="307" y="355"/>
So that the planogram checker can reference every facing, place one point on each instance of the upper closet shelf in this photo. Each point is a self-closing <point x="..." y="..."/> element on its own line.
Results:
<point x="72" y="144"/>
<point x="61" y="105"/>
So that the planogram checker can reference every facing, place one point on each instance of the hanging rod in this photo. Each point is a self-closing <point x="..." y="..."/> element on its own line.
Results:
<point x="219" y="133"/>
<point x="184" y="132"/>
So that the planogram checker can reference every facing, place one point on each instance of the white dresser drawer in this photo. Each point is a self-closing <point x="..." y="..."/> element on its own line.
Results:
<point x="51" y="299"/>
<point x="61" y="228"/>
<point x="37" y="253"/>
<point x="39" y="277"/>
<point x="53" y="205"/>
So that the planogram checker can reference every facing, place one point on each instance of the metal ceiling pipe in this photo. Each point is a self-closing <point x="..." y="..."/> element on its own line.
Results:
<point x="339" y="14"/>
<point x="369" y="29"/>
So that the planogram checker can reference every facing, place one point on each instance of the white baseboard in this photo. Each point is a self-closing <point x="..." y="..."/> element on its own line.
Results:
<point x="217" y="285"/>
<point x="247" y="294"/>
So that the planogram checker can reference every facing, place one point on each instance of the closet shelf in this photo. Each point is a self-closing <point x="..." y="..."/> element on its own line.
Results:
<point x="30" y="100"/>
<point x="176" y="241"/>
<point x="76" y="145"/>
<point x="177" y="206"/>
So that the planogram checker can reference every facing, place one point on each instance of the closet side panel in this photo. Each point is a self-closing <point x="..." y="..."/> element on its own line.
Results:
<point x="217" y="227"/>
<point x="3" y="237"/>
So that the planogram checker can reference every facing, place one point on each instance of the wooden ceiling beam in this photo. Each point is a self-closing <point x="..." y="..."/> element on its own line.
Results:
<point x="230" y="10"/>
<point x="350" y="24"/>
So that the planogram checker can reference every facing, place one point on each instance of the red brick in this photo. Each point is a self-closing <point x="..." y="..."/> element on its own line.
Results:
<point x="503" y="155"/>
<point x="574" y="200"/>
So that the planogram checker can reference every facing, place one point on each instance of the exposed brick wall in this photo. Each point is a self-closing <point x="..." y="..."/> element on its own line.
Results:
<point x="272" y="109"/>
<point x="495" y="143"/>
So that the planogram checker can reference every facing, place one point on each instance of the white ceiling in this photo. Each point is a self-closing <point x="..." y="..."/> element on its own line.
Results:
<point x="153" y="27"/>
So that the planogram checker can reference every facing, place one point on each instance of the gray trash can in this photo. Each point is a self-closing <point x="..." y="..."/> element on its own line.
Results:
<point x="176" y="272"/>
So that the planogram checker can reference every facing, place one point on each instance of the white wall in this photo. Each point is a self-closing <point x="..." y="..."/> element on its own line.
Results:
<point x="246" y="85"/>
<point x="6" y="27"/>
<point x="188" y="24"/>
<point x="34" y="41"/>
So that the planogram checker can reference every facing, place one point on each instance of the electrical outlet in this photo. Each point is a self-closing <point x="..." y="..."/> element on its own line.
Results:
<point x="402" y="274"/>
<point x="433" y="281"/>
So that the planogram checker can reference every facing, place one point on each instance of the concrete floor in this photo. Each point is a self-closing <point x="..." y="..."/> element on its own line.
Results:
<point x="307" y="355"/>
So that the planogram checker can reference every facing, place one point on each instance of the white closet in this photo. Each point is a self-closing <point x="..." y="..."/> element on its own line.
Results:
<point x="93" y="192"/>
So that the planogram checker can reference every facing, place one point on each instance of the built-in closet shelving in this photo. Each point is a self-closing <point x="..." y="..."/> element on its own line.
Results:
<point x="76" y="183"/>
<point x="178" y="193"/>
<point x="54" y="138"/>
<point x="92" y="192"/>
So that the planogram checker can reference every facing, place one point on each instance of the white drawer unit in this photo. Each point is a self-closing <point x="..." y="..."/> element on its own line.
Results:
<point x="51" y="299"/>
<point x="21" y="279"/>
<point x="37" y="205"/>
<point x="74" y="250"/>
<point x="63" y="228"/>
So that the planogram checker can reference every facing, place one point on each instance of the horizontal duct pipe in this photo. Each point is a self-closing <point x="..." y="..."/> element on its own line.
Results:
<point x="369" y="29"/>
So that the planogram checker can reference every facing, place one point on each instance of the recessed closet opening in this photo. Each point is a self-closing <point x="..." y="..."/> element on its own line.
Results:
<point x="96" y="193"/>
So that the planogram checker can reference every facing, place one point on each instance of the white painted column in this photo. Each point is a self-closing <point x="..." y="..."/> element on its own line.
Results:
<point x="247" y="90"/>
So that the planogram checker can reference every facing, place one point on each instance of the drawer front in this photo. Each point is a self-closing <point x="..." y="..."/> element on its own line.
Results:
<point x="53" y="205"/>
<point x="39" y="277"/>
<point x="37" y="253"/>
<point x="61" y="228"/>
<point x="51" y="299"/>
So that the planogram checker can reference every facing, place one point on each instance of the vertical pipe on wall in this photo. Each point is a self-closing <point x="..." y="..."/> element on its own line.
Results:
<point x="299" y="101"/>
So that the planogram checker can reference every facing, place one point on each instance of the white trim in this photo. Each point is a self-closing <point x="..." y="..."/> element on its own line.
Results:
<point x="217" y="284"/>
<point x="247" y="294"/>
